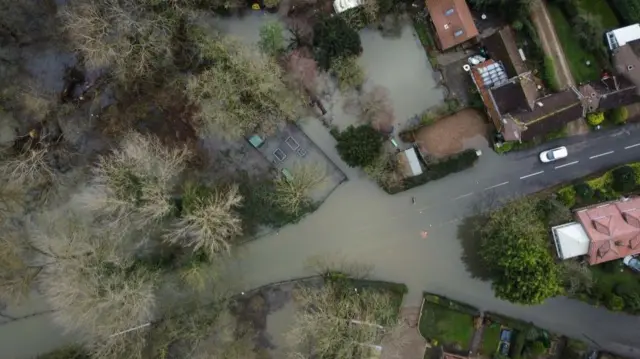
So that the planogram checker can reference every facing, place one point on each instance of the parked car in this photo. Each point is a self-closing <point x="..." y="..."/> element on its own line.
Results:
<point x="553" y="154"/>
<point x="505" y="341"/>
<point x="632" y="262"/>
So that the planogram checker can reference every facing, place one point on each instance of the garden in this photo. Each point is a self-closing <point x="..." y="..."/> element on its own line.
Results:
<point x="623" y="180"/>
<point x="580" y="26"/>
<point x="526" y="340"/>
<point x="446" y="322"/>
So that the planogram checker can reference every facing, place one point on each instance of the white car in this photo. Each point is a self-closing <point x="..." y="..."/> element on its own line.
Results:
<point x="554" y="154"/>
<point x="632" y="262"/>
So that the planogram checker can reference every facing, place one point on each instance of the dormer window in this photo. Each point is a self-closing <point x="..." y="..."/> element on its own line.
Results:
<point x="449" y="12"/>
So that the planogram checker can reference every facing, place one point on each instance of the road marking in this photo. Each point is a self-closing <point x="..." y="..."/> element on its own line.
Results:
<point x="632" y="146"/>
<point x="530" y="175"/>
<point x="497" y="185"/>
<point x="600" y="155"/>
<point x="463" y="196"/>
<point x="567" y="164"/>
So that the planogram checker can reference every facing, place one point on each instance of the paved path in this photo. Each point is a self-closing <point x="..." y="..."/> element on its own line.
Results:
<point x="362" y="223"/>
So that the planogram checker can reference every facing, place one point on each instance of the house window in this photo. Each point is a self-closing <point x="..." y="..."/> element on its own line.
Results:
<point x="449" y="12"/>
<point x="458" y="33"/>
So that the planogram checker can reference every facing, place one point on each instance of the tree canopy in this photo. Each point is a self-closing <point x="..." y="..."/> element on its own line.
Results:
<point x="515" y="248"/>
<point x="334" y="38"/>
<point x="359" y="146"/>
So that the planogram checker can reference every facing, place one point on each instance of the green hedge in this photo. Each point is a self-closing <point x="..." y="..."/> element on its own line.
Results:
<point x="628" y="10"/>
<point x="453" y="164"/>
<point x="450" y="303"/>
<point x="550" y="74"/>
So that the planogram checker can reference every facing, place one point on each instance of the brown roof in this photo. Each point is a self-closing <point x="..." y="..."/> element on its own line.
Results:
<point x="485" y="93"/>
<point x="452" y="20"/>
<point x="502" y="47"/>
<point x="609" y="92"/>
<point x="511" y="97"/>
<point x="613" y="229"/>
<point x="556" y="111"/>
<point x="626" y="60"/>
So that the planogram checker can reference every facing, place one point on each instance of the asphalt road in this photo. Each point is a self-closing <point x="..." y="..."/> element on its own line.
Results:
<point x="361" y="223"/>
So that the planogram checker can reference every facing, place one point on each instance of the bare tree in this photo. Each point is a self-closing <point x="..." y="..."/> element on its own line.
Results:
<point x="303" y="69"/>
<point x="121" y="35"/>
<point x="209" y="220"/>
<point x="242" y="93"/>
<point x="377" y="109"/>
<point x="348" y="72"/>
<point x="28" y="167"/>
<point x="89" y="275"/>
<point x="384" y="171"/>
<point x="291" y="194"/>
<point x="16" y="274"/>
<point x="336" y="321"/>
<point x="136" y="181"/>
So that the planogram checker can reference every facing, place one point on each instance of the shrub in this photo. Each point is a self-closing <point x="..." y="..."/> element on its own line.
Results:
<point x="348" y="72"/>
<point x="505" y="147"/>
<point x="596" y="118"/>
<point x="567" y="196"/>
<point x="537" y="348"/>
<point x="518" y="344"/>
<point x="624" y="179"/>
<point x="618" y="115"/>
<point x="614" y="302"/>
<point x="359" y="146"/>
<point x="271" y="38"/>
<point x="584" y="191"/>
<point x="628" y="10"/>
<point x="334" y="38"/>
<point x="443" y="168"/>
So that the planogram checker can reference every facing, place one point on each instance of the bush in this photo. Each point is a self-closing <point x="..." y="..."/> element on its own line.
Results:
<point x="334" y="38"/>
<point x="624" y="179"/>
<point x="567" y="196"/>
<point x="359" y="146"/>
<point x="537" y="348"/>
<point x="615" y="303"/>
<point x="271" y="38"/>
<point x="584" y="191"/>
<point x="618" y="115"/>
<point x="596" y="118"/>
<point x="628" y="10"/>
<point x="505" y="147"/>
<point x="443" y="168"/>
<point x="518" y="344"/>
<point x="348" y="72"/>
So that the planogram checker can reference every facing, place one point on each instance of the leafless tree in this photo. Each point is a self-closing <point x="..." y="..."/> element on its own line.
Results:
<point x="377" y="108"/>
<point x="291" y="194"/>
<point x="384" y="171"/>
<point x="16" y="274"/>
<point x="242" y="93"/>
<point x="303" y="69"/>
<point x="121" y="35"/>
<point x="136" y="181"/>
<point x="336" y="321"/>
<point x="208" y="222"/>
<point x="88" y="276"/>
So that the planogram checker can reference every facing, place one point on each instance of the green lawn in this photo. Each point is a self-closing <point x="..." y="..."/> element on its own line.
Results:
<point x="602" y="9"/>
<point x="447" y="326"/>
<point x="576" y="56"/>
<point x="490" y="339"/>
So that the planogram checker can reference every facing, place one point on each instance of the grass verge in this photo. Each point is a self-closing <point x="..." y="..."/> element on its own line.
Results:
<point x="576" y="55"/>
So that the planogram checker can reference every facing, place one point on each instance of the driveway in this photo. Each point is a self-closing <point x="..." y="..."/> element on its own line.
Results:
<point x="361" y="222"/>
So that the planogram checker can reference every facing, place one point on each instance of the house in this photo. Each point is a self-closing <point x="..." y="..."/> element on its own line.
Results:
<point x="608" y="93"/>
<point x="452" y="21"/>
<point x="602" y="233"/>
<point x="622" y="36"/>
<point x="511" y="97"/>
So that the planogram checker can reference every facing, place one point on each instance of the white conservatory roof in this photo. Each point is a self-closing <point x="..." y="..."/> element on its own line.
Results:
<point x="620" y="37"/>
<point x="571" y="240"/>
<point x="343" y="5"/>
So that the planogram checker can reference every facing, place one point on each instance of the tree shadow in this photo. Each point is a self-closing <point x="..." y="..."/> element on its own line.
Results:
<point x="469" y="236"/>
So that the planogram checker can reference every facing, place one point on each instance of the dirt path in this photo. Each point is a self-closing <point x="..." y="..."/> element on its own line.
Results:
<point x="550" y="43"/>
<point x="552" y="48"/>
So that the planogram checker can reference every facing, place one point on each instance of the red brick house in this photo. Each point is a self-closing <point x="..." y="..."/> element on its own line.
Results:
<point x="452" y="21"/>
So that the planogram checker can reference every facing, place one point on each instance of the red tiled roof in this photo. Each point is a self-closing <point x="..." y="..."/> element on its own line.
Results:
<point x="451" y="18"/>
<point x="613" y="230"/>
